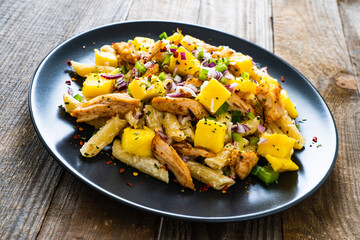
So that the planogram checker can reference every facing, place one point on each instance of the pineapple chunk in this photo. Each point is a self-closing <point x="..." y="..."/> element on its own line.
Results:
<point x="213" y="96"/>
<point x="85" y="70"/>
<point x="191" y="43"/>
<point x="281" y="164"/>
<point x="210" y="134"/>
<point x="138" y="141"/>
<point x="184" y="67"/>
<point x="143" y="43"/>
<point x="277" y="145"/>
<point x="143" y="89"/>
<point x="175" y="38"/>
<point x="95" y="85"/>
<point x="240" y="63"/>
<point x="289" y="105"/>
<point x="105" y="58"/>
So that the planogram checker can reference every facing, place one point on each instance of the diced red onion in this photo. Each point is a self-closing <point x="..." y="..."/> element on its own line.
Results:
<point x="232" y="87"/>
<point x="211" y="65"/>
<point x="246" y="128"/>
<point x="173" y="50"/>
<point x="171" y="87"/>
<point x="240" y="128"/>
<point x="183" y="56"/>
<point x="175" y="95"/>
<point x="196" y="53"/>
<point x="116" y="76"/>
<point x="192" y="115"/>
<point x="217" y="75"/>
<point x="149" y="64"/>
<point x="181" y="83"/>
<point x="179" y="45"/>
<point x="177" y="79"/>
<point x="186" y="89"/>
<point x="162" y="135"/>
<point x="247" y="111"/>
<point x="70" y="91"/>
<point x="205" y="62"/>
<point x="228" y="75"/>
<point x="138" y="115"/>
<point x="192" y="87"/>
<point x="262" y="140"/>
<point x="185" y="158"/>
<point x="261" y="128"/>
<point x="121" y="84"/>
<point x="135" y="72"/>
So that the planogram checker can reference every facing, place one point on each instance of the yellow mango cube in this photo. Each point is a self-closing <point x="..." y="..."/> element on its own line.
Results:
<point x="191" y="43"/>
<point x="240" y="63"/>
<point x="281" y="164"/>
<point x="138" y="141"/>
<point x="85" y="70"/>
<point x="277" y="145"/>
<point x="213" y="96"/>
<point x="289" y="105"/>
<point x="105" y="58"/>
<point x="175" y="38"/>
<point x="184" y="67"/>
<point x="243" y="85"/>
<point x="210" y="135"/>
<point x="95" y="85"/>
<point x="143" y="89"/>
<point x="143" y="43"/>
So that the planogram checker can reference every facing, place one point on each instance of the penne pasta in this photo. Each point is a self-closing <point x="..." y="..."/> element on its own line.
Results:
<point x="153" y="118"/>
<point x="146" y="165"/>
<point x="289" y="128"/>
<point x="221" y="159"/>
<point x="209" y="176"/>
<point x="172" y="127"/>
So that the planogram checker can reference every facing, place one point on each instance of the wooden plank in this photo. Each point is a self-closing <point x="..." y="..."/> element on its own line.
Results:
<point x="309" y="35"/>
<point x="79" y="212"/>
<point x="28" y="31"/>
<point x="250" y="20"/>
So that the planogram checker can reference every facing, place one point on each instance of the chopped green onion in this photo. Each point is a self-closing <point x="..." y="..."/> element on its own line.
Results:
<point x="163" y="36"/>
<point x="214" y="60"/>
<point x="203" y="74"/>
<point x="210" y="118"/>
<point x="201" y="53"/>
<point x="140" y="67"/>
<point x="221" y="67"/>
<point x="226" y="61"/>
<point x="238" y="138"/>
<point x="297" y="126"/>
<point x="223" y="109"/>
<point x="123" y="69"/>
<point x="162" y="76"/>
<point x="250" y="115"/>
<point x="265" y="174"/>
<point x="128" y="90"/>
<point x="131" y="41"/>
<point x="167" y="59"/>
<point x="245" y="75"/>
<point x="236" y="117"/>
<point x="254" y="140"/>
<point x="78" y="97"/>
<point x="223" y="80"/>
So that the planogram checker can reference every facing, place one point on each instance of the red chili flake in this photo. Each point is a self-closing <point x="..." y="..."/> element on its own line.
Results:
<point x="122" y="170"/>
<point x="68" y="62"/>
<point x="108" y="162"/>
<point x="81" y="129"/>
<point x="282" y="79"/>
<point x="81" y="143"/>
<point x="225" y="188"/>
<point x="129" y="184"/>
<point x="142" y="182"/>
<point x="76" y="136"/>
<point x="205" y="188"/>
<point x="176" y="54"/>
<point x="314" y="139"/>
<point x="163" y="49"/>
<point x="68" y="82"/>
<point x="166" y="168"/>
<point x="112" y="157"/>
<point x="73" y="79"/>
<point x="83" y="47"/>
<point x="149" y="77"/>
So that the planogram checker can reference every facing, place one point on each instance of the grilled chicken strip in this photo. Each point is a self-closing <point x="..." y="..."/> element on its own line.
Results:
<point x="180" y="106"/>
<point x="126" y="52"/>
<point x="245" y="163"/>
<point x="167" y="155"/>
<point x="107" y="105"/>
<point x="268" y="94"/>
<point x="239" y="104"/>
<point x="185" y="148"/>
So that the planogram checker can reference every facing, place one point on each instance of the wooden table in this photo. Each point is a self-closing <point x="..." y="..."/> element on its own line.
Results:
<point x="39" y="199"/>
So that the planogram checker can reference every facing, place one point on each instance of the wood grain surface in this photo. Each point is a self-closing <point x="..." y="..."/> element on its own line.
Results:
<point x="39" y="200"/>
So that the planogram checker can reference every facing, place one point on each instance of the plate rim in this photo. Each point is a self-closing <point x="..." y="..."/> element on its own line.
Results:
<point x="158" y="212"/>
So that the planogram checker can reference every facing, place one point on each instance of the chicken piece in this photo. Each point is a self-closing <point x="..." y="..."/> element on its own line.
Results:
<point x="193" y="81"/>
<point x="154" y="50"/>
<point x="166" y="154"/>
<point x="224" y="52"/>
<point x="239" y="104"/>
<point x="154" y="70"/>
<point x="186" y="149"/>
<point x="269" y="96"/>
<point x="126" y="53"/>
<point x="245" y="163"/>
<point x="107" y="105"/>
<point x="180" y="106"/>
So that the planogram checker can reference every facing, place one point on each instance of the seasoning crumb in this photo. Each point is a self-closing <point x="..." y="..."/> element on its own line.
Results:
<point x="135" y="173"/>
<point x="122" y="170"/>
<point x="108" y="162"/>
<point x="83" y="47"/>
<point x="282" y="79"/>
<point x="129" y="184"/>
<point x="68" y="62"/>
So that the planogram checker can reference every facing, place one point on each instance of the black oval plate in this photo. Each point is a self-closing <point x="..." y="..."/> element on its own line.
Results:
<point x="241" y="202"/>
